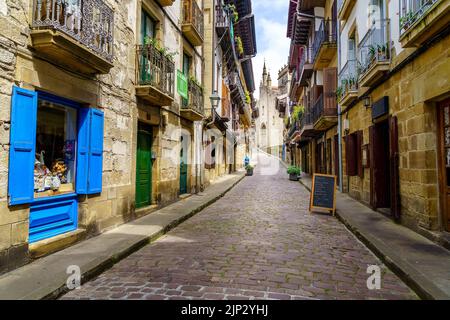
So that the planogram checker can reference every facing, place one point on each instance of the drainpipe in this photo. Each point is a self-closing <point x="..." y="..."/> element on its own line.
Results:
<point x="338" y="37"/>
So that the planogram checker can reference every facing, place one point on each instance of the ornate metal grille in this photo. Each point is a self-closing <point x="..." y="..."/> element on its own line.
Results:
<point x="90" y="22"/>
<point x="195" y="97"/>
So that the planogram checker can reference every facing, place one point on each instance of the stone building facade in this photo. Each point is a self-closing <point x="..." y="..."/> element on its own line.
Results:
<point x="393" y="104"/>
<point x="101" y="117"/>
<point x="269" y="125"/>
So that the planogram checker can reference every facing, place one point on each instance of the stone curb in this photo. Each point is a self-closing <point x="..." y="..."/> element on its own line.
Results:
<point x="94" y="268"/>
<point x="424" y="288"/>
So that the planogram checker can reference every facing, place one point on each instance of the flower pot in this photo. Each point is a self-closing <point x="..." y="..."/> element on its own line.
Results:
<point x="249" y="172"/>
<point x="293" y="177"/>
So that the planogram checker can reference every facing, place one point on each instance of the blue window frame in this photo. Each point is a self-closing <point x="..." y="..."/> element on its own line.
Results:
<point x="55" y="214"/>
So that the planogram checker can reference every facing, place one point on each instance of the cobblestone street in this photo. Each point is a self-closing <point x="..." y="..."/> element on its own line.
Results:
<point x="257" y="242"/>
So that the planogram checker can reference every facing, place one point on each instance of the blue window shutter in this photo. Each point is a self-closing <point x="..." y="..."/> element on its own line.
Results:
<point x="95" y="151"/>
<point x="22" y="146"/>
<point x="83" y="151"/>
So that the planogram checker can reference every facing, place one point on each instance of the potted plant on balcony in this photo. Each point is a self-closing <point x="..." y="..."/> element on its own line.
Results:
<point x="249" y="168"/>
<point x="372" y="52"/>
<point x="294" y="173"/>
<point x="239" y="46"/>
<point x="339" y="93"/>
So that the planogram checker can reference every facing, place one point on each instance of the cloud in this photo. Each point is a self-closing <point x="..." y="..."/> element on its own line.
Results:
<point x="273" y="45"/>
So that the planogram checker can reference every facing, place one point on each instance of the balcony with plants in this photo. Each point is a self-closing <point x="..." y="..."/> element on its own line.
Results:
<point x="75" y="34"/>
<point x="324" y="45"/>
<point x="192" y="25"/>
<point x="347" y="90"/>
<point x="344" y="8"/>
<point x="192" y="108"/>
<point x="420" y="20"/>
<point x="374" y="54"/>
<point x="155" y="73"/>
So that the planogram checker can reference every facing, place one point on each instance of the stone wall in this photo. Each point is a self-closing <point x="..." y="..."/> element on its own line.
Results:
<point x="413" y="92"/>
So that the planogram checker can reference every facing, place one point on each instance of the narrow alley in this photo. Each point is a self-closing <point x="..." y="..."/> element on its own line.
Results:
<point x="257" y="242"/>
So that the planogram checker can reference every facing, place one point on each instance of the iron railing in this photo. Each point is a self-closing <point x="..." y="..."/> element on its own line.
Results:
<point x="412" y="11"/>
<point x="375" y="46"/>
<point x="348" y="78"/>
<point x="327" y="34"/>
<point x="155" y="69"/>
<point x="317" y="110"/>
<point x="306" y="119"/>
<point x="306" y="58"/>
<point x="294" y="127"/>
<point x="89" y="22"/>
<point x="192" y="14"/>
<point x="195" y="98"/>
<point x="222" y="18"/>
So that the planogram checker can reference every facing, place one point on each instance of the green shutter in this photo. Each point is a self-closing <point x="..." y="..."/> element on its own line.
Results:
<point x="182" y="84"/>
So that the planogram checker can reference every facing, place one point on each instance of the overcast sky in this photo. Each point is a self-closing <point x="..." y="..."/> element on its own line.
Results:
<point x="272" y="43"/>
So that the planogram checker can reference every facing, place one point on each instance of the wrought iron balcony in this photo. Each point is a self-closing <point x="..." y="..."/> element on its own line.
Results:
<point x="323" y="117"/>
<point x="192" y="26"/>
<point x="155" y="75"/>
<point x="374" y="51"/>
<point x="347" y="90"/>
<point x="421" y="19"/>
<point x="222" y="19"/>
<point x="324" y="45"/>
<point x="305" y="66"/>
<point x="193" y="108"/>
<point x="77" y="34"/>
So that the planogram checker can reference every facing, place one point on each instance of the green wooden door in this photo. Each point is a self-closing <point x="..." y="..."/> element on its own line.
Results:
<point x="183" y="165"/>
<point x="144" y="168"/>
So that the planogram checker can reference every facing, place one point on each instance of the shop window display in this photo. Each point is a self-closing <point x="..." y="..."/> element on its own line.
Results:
<point x="54" y="168"/>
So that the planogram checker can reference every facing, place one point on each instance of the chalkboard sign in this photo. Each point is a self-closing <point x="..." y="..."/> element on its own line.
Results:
<point x="323" y="193"/>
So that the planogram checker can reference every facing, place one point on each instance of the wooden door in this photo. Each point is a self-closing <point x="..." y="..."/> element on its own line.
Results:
<point x="444" y="160"/>
<point x="143" y="167"/>
<point x="183" y="164"/>
<point x="380" y="169"/>
<point x="394" y="170"/>
<point x="336" y="157"/>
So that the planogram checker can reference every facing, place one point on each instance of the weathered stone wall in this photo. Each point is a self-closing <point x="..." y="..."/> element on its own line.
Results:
<point x="413" y="92"/>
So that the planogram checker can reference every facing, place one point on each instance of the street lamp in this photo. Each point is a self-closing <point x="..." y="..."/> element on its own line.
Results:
<point x="214" y="98"/>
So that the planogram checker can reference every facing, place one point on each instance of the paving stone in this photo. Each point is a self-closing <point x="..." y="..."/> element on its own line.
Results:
<point x="259" y="241"/>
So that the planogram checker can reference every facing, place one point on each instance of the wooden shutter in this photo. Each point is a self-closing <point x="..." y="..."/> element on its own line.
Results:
<point x="359" y="141"/>
<point x="329" y="87"/>
<point x="23" y="146"/>
<point x="95" y="151"/>
<point x="350" y="155"/>
<point x="394" y="164"/>
<point x="81" y="180"/>
<point x="372" y="166"/>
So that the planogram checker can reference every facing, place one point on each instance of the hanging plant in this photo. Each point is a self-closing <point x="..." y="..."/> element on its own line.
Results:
<point x="239" y="46"/>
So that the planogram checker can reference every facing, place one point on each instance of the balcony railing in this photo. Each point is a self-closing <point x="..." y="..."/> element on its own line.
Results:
<point x="195" y="98"/>
<point x="192" y="14"/>
<point x="317" y="110"/>
<point x="375" y="46"/>
<point x="327" y="34"/>
<point x="306" y="119"/>
<point x="294" y="127"/>
<point x="348" y="78"/>
<point x="222" y="20"/>
<point x="413" y="10"/>
<point x="89" y="22"/>
<point x="155" y="69"/>
<point x="306" y="58"/>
